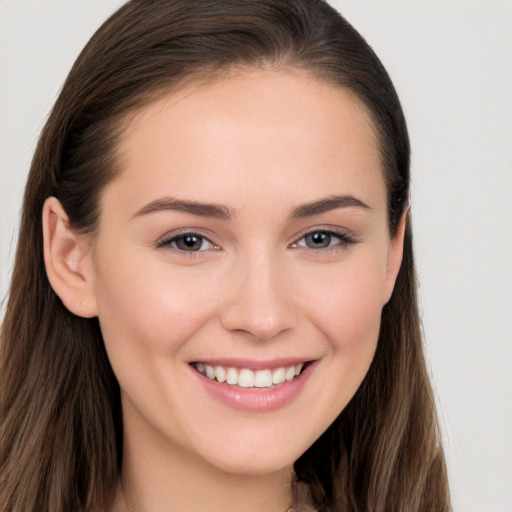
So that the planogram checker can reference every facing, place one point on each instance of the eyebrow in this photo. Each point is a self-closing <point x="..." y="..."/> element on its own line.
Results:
<point x="217" y="211"/>
<point x="223" y="212"/>
<point x="327" y="204"/>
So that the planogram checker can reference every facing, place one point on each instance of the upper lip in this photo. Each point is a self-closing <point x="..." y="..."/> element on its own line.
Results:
<point x="254" y="364"/>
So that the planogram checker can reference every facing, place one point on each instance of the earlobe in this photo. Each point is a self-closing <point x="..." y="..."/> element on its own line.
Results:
<point x="395" y="255"/>
<point x="67" y="260"/>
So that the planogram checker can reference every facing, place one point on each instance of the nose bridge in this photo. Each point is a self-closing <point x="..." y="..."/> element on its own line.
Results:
<point x="260" y="302"/>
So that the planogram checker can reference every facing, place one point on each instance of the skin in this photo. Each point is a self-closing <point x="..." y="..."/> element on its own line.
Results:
<point x="262" y="144"/>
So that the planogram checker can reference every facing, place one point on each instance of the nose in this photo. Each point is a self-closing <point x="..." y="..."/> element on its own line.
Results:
<point x="260" y="301"/>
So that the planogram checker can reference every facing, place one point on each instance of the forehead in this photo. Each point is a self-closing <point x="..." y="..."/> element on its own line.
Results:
<point x="253" y="130"/>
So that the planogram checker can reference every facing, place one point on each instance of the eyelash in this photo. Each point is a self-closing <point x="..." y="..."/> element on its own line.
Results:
<point x="172" y="239"/>
<point x="344" y="239"/>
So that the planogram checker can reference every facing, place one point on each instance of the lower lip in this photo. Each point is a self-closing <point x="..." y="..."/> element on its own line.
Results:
<point x="256" y="399"/>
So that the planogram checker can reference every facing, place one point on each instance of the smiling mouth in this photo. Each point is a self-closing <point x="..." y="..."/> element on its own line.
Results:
<point x="246" y="378"/>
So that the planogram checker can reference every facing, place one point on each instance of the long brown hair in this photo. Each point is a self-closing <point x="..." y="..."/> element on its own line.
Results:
<point x="62" y="427"/>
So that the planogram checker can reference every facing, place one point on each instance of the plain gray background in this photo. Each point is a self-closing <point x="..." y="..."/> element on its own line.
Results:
<point x="451" y="62"/>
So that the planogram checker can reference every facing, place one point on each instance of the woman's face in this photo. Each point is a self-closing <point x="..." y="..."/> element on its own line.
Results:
<point x="245" y="240"/>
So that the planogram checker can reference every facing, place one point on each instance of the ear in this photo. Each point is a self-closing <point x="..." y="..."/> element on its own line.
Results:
<point x="68" y="261"/>
<point x="395" y="255"/>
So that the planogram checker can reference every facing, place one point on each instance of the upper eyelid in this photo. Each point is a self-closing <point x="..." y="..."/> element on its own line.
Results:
<point x="171" y="235"/>
<point x="187" y="231"/>
<point x="339" y="231"/>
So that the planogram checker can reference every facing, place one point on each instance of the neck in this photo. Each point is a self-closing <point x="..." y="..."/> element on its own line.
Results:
<point x="157" y="476"/>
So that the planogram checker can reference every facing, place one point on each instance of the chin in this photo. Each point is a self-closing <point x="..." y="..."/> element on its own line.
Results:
<point x="253" y="459"/>
<point x="251" y="467"/>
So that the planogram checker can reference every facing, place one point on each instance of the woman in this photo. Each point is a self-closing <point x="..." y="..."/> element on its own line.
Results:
<point x="219" y="308"/>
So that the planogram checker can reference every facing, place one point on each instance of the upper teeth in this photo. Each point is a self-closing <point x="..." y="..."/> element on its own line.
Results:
<point x="246" y="378"/>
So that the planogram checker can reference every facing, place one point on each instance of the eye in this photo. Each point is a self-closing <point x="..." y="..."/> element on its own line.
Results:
<point x="323" y="239"/>
<point x="187" y="242"/>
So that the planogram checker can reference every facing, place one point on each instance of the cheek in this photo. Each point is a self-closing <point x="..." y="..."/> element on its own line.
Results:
<point x="347" y="308"/>
<point x="148" y="315"/>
